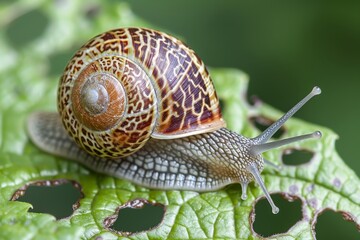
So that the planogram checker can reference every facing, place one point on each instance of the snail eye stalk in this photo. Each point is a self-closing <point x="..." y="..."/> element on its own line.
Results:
<point x="261" y="145"/>
<point x="271" y="130"/>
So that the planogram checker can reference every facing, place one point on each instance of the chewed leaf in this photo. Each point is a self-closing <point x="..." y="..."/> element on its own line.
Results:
<point x="323" y="183"/>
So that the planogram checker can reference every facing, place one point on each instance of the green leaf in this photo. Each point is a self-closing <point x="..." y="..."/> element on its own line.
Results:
<point x="28" y="82"/>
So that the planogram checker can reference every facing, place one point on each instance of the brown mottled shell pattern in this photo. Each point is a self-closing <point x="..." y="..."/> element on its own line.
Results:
<point x="149" y="85"/>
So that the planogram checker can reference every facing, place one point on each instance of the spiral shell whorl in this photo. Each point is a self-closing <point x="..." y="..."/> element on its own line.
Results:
<point x="126" y="85"/>
<point x="111" y="112"/>
<point x="98" y="100"/>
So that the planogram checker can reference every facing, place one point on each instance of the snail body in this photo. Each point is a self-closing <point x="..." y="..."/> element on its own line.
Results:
<point x="138" y="104"/>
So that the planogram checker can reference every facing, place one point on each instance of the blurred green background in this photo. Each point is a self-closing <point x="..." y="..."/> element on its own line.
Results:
<point x="285" y="47"/>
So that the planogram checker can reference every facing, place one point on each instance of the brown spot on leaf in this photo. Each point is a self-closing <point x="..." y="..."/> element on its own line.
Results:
<point x="337" y="183"/>
<point x="313" y="202"/>
<point x="293" y="189"/>
<point x="310" y="188"/>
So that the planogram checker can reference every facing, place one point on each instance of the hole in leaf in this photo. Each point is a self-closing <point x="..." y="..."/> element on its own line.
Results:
<point x="92" y="11"/>
<point x="265" y="223"/>
<point x="331" y="225"/>
<point x="56" y="197"/>
<point x="135" y="216"/>
<point x="26" y="28"/>
<point x="295" y="157"/>
<point x="262" y="123"/>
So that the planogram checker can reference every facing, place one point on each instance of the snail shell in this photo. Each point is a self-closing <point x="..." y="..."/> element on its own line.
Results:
<point x="127" y="85"/>
<point x="141" y="106"/>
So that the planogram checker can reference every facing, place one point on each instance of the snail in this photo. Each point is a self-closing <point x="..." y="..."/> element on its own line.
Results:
<point x="138" y="104"/>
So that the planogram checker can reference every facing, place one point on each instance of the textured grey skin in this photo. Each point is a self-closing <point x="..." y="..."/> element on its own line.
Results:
<point x="201" y="162"/>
